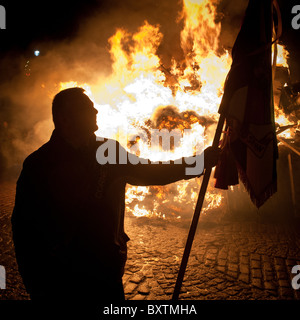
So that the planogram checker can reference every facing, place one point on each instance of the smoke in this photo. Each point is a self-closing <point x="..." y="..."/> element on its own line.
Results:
<point x="174" y="118"/>
<point x="30" y="82"/>
<point x="231" y="15"/>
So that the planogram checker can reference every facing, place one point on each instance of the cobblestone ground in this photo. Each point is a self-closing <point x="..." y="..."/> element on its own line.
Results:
<point x="229" y="260"/>
<point x="241" y="261"/>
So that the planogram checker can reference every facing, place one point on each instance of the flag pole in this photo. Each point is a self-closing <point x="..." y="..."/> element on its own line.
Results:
<point x="197" y="212"/>
<point x="288" y="145"/>
<point x="292" y="183"/>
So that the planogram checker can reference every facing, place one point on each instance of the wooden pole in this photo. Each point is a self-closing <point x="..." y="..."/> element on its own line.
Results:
<point x="289" y="146"/>
<point x="197" y="212"/>
<point x="292" y="183"/>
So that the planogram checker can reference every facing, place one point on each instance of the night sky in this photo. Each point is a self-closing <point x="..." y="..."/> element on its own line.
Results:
<point x="32" y="25"/>
<point x="31" y="22"/>
<point x="28" y="21"/>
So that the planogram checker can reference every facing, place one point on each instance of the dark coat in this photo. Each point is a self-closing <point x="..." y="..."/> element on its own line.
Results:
<point x="68" y="219"/>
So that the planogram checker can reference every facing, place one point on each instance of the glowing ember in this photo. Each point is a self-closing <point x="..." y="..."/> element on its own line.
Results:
<point x="213" y="200"/>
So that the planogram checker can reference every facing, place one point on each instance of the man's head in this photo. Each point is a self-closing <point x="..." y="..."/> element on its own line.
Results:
<point x="74" y="115"/>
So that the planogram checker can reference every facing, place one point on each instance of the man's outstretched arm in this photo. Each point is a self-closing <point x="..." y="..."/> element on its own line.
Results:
<point x="143" y="172"/>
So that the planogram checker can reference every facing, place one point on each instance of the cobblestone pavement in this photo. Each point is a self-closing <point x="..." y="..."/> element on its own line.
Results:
<point x="229" y="260"/>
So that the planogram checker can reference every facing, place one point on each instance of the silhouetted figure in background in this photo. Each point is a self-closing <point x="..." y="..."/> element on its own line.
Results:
<point x="68" y="220"/>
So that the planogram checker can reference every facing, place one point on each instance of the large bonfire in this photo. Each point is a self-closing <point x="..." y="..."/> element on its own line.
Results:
<point x="142" y="94"/>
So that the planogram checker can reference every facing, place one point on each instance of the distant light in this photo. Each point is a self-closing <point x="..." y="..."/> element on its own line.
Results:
<point x="36" y="53"/>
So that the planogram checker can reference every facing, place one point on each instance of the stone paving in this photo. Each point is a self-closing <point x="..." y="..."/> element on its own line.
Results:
<point x="230" y="260"/>
<point x="241" y="261"/>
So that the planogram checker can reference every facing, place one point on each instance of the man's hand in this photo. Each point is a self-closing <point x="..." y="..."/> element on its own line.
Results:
<point x="211" y="156"/>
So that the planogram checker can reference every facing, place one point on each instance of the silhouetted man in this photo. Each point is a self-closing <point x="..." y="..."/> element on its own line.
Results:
<point x="68" y="220"/>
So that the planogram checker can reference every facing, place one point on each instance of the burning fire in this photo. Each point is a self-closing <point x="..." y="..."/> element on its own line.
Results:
<point x="281" y="118"/>
<point x="141" y="94"/>
<point x="282" y="56"/>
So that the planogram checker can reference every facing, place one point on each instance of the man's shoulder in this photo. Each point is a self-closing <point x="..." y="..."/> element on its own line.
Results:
<point x="38" y="156"/>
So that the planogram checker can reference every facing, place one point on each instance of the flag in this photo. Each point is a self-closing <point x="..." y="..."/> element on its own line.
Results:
<point x="249" y="150"/>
